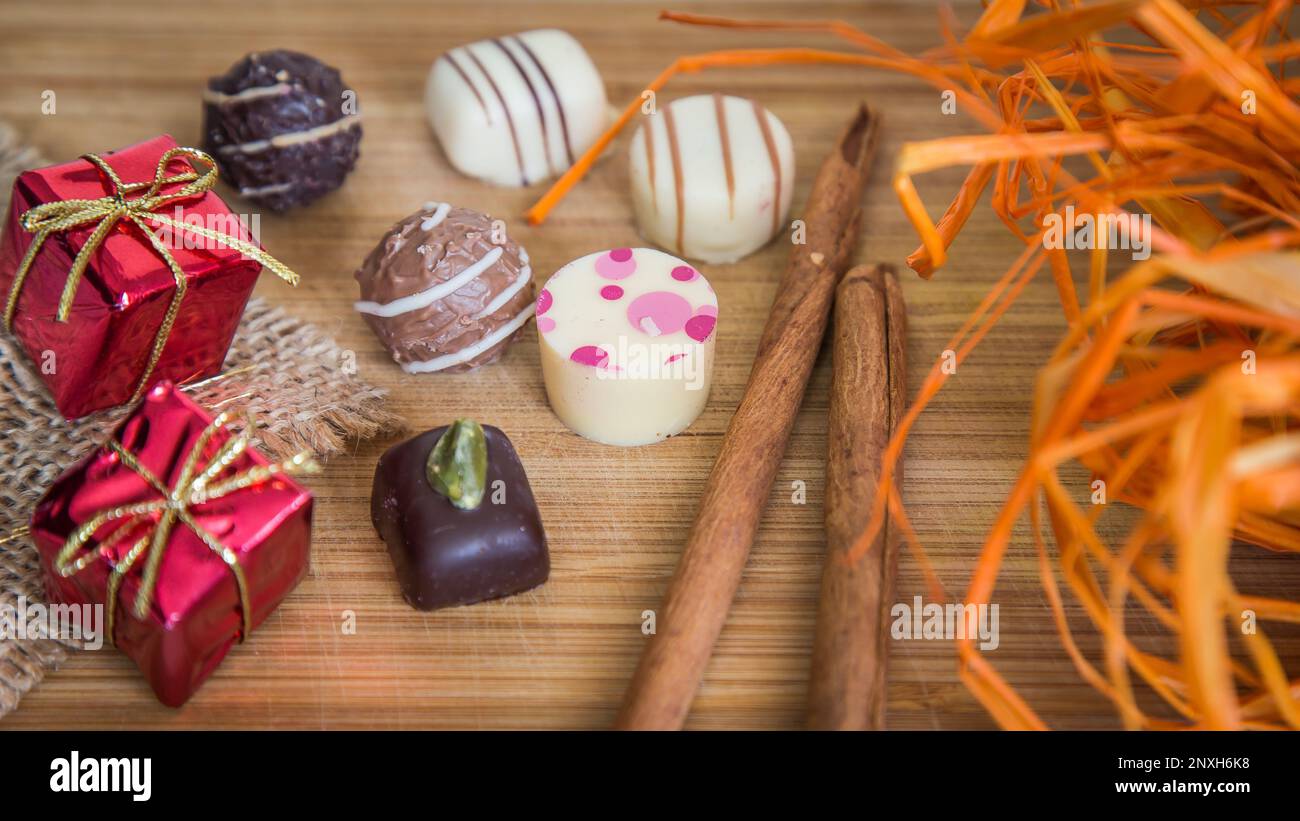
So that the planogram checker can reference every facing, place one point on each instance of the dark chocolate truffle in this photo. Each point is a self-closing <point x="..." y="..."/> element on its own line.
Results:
<point x="446" y="290"/>
<point x="283" y="128"/>
<point x="445" y="556"/>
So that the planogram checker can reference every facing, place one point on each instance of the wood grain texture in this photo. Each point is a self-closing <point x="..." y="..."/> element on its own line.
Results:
<point x="561" y="656"/>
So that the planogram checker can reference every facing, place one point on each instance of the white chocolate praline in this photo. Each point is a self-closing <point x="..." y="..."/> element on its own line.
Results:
<point x="626" y="341"/>
<point x="712" y="177"/>
<point x="516" y="109"/>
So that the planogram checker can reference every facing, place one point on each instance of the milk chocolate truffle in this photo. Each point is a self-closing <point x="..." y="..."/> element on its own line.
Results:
<point x="474" y="535"/>
<point x="517" y="109"/>
<point x="446" y="289"/>
<point x="283" y="128"/>
<point x="712" y="177"/>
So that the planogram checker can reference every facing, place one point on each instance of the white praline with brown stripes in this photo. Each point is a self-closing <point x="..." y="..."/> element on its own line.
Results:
<point x="516" y="109"/>
<point x="712" y="177"/>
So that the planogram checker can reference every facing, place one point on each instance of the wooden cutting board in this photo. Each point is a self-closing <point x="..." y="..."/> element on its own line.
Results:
<point x="561" y="655"/>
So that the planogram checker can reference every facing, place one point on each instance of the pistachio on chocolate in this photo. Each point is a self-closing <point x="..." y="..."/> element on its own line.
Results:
<point x="457" y="466"/>
<point x="444" y="556"/>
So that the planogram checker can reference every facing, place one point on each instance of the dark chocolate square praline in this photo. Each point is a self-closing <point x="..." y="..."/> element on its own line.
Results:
<point x="445" y="556"/>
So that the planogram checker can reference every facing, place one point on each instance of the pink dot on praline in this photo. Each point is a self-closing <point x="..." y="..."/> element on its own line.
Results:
<point x="590" y="355"/>
<point x="685" y="273"/>
<point x="543" y="302"/>
<point x="617" y="264"/>
<point x="700" y="326"/>
<point x="611" y="292"/>
<point x="658" y="313"/>
<point x="707" y="310"/>
<point x="545" y="324"/>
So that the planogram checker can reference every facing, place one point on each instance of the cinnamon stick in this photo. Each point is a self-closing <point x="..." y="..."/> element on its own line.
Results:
<point x="699" y="596"/>
<point x="847" y="686"/>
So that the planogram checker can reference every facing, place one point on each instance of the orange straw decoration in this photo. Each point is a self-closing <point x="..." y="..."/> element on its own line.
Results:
<point x="1177" y="383"/>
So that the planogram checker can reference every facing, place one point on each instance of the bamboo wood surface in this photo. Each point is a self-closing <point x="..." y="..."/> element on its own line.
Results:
<point x="561" y="656"/>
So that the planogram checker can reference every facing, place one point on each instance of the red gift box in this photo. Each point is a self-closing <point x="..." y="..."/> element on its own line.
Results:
<point x="238" y="544"/>
<point x="99" y="356"/>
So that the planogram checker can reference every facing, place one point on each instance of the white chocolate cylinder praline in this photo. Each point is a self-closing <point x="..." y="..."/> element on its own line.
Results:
<point x="712" y="177"/>
<point x="626" y="341"/>
<point x="516" y="109"/>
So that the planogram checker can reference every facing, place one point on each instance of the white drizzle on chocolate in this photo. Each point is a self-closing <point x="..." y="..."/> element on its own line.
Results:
<point x="247" y="95"/>
<point x="525" y="276"/>
<point x="425" y="298"/>
<point x="441" y="292"/>
<point x="276" y="103"/>
<point x="465" y="354"/>
<point x="263" y="190"/>
<point x="307" y="135"/>
<point x="435" y="219"/>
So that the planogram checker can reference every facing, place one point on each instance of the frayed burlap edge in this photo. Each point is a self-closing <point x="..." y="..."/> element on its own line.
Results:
<point x="297" y="383"/>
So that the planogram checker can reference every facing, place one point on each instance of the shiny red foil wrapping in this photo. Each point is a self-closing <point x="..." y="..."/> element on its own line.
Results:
<point x="195" y="615"/>
<point x="96" y="358"/>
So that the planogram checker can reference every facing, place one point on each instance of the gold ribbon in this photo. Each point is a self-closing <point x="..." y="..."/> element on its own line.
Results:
<point x="193" y="486"/>
<point x="63" y="215"/>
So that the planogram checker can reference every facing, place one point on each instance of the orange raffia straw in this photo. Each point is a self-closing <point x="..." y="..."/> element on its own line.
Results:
<point x="1177" y="382"/>
<point x="734" y="58"/>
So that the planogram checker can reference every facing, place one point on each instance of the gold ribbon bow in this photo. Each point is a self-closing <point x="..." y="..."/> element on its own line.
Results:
<point x="193" y="486"/>
<point x="63" y="215"/>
